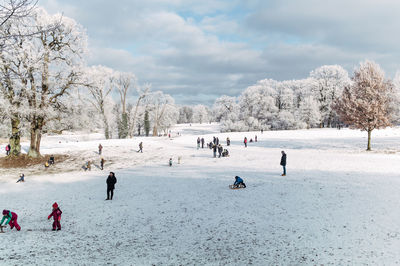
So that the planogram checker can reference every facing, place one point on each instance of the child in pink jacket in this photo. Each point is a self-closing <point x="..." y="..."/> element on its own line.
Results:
<point x="56" y="213"/>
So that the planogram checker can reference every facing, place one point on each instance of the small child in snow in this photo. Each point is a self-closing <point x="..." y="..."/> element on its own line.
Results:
<point x="56" y="213"/>
<point x="21" y="178"/>
<point x="238" y="182"/>
<point x="11" y="219"/>
<point x="170" y="161"/>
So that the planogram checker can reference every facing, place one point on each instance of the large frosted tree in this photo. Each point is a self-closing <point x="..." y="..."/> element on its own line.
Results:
<point x="329" y="84"/>
<point x="366" y="103"/>
<point x="55" y="68"/>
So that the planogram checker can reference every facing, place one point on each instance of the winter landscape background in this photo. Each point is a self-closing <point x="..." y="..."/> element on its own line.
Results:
<point x="314" y="82"/>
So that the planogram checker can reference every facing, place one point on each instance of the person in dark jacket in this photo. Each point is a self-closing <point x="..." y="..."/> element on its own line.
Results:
<point x="202" y="143"/>
<point x="220" y="150"/>
<point x="214" y="147"/>
<point x="140" y="147"/>
<point x="198" y="143"/>
<point x="238" y="182"/>
<point x="228" y="141"/>
<point x="56" y="214"/>
<point x="111" y="181"/>
<point x="100" y="148"/>
<point x="283" y="163"/>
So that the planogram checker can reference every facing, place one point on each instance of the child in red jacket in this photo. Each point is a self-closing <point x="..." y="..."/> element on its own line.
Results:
<point x="56" y="213"/>
<point x="11" y="219"/>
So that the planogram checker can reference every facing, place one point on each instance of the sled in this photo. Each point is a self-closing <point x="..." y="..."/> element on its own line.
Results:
<point x="1" y="228"/>
<point x="236" y="187"/>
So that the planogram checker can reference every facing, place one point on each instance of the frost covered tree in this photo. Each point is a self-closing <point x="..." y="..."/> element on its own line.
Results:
<point x="146" y="123"/>
<point x="226" y="108"/>
<point x="366" y="103"/>
<point x="308" y="112"/>
<point x="58" y="68"/>
<point x="185" y="115"/>
<point x="102" y="82"/>
<point x="124" y="82"/>
<point x="330" y="82"/>
<point x="38" y="71"/>
<point x="158" y="103"/>
<point x="200" y="113"/>
<point x="142" y="93"/>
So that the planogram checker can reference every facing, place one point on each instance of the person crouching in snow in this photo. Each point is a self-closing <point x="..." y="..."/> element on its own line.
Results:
<point x="238" y="182"/>
<point x="11" y="219"/>
<point x="56" y="213"/>
<point x="21" y="178"/>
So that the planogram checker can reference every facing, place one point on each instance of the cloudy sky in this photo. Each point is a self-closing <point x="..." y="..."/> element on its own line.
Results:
<point x="198" y="50"/>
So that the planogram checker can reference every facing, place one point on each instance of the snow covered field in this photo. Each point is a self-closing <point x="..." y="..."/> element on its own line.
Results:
<point x="337" y="205"/>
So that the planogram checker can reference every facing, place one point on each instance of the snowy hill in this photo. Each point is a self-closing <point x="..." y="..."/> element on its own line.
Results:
<point x="337" y="205"/>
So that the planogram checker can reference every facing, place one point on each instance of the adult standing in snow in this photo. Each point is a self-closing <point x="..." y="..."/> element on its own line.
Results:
<point x="283" y="163"/>
<point x="198" y="143"/>
<point x="228" y="141"/>
<point x="100" y="148"/>
<point x="217" y="141"/>
<point x="220" y="149"/>
<point x="102" y="163"/>
<point x="111" y="181"/>
<point x="214" y="147"/>
<point x="202" y="143"/>
<point x="245" y="142"/>
<point x="255" y="138"/>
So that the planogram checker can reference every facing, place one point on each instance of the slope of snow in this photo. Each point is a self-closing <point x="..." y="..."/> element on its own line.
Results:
<point x="337" y="205"/>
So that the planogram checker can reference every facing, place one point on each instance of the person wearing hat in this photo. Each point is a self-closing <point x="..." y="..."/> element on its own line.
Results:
<point x="56" y="214"/>
<point x="11" y="219"/>
<point x="111" y="181"/>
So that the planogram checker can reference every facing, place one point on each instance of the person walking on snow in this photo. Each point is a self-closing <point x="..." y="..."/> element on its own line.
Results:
<point x="238" y="182"/>
<point x="283" y="163"/>
<point x="8" y="148"/>
<point x="11" y="219"/>
<point x="102" y="163"/>
<point x="245" y="142"/>
<point x="140" y="147"/>
<point x="111" y="181"/>
<point x="100" y="148"/>
<point x="198" y="143"/>
<point x="56" y="214"/>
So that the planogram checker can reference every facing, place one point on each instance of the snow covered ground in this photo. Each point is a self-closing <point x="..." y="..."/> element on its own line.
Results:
<point x="337" y="205"/>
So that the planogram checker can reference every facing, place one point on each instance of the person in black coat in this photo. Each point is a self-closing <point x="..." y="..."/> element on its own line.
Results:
<point x="283" y="163"/>
<point x="111" y="181"/>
